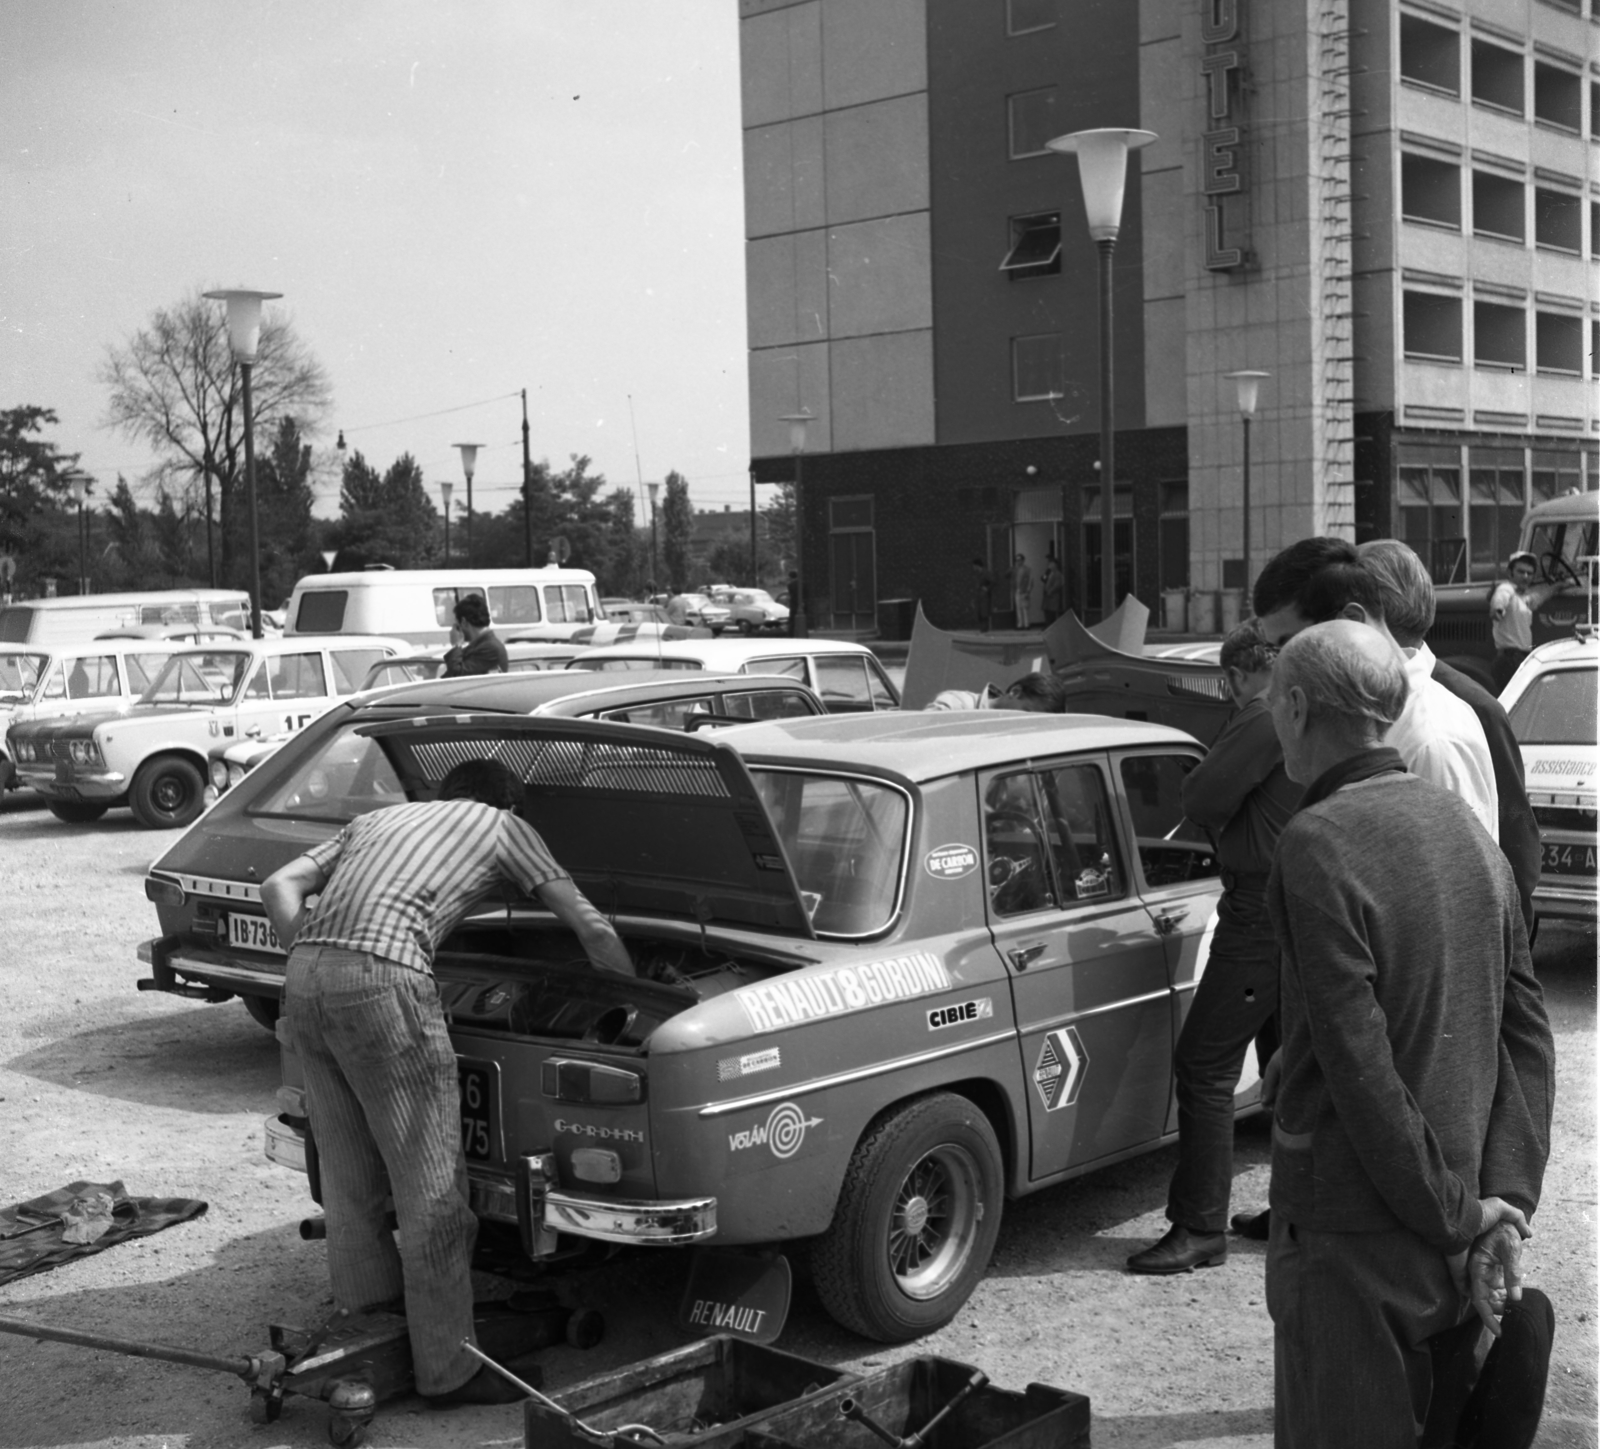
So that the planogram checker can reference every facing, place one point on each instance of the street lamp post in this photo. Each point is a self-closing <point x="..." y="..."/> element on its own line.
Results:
<point x="80" y="496"/>
<point x="655" y="579"/>
<point x="244" y="337"/>
<point x="1248" y="384"/>
<point x="797" y="445"/>
<point x="469" y="465"/>
<point x="1103" y="171"/>
<point x="445" y="490"/>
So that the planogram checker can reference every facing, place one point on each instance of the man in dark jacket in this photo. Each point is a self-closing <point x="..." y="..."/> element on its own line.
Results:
<point x="480" y="650"/>
<point x="1411" y="1121"/>
<point x="1241" y="794"/>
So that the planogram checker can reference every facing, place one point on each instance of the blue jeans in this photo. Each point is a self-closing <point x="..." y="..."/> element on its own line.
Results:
<point x="381" y="1088"/>
<point x="1235" y="999"/>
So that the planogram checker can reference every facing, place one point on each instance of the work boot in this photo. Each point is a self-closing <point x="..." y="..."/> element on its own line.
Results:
<point x="1253" y="1225"/>
<point x="1180" y="1251"/>
<point x="484" y="1387"/>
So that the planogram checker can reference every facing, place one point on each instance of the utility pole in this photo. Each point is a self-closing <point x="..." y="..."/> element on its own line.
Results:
<point x="527" y="485"/>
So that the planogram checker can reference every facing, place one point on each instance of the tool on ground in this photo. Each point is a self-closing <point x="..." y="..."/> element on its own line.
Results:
<point x="850" y="1409"/>
<point x="607" y="1437"/>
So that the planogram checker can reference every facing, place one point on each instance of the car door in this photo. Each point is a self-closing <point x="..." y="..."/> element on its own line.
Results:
<point x="300" y="688"/>
<point x="1177" y="873"/>
<point x="1089" y="975"/>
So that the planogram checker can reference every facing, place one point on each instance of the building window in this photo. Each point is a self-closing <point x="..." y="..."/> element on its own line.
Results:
<point x="1557" y="97"/>
<point x="1432" y="326"/>
<point x="1430" y="191"/>
<point x="1496" y="77"/>
<point x="1430" y="55"/>
<point x="1031" y="116"/>
<point x="1038" y="367"/>
<point x="1428" y="497"/>
<point x="1499" y="336"/>
<point x="1497" y="500"/>
<point x="1558" y="343"/>
<point x="1023" y="17"/>
<point x="1499" y="207"/>
<point x="1035" y="246"/>
<point x="1594" y="109"/>
<point x="1557" y="220"/>
<point x="1172" y="538"/>
<point x="1594" y="228"/>
<point x="1554" y="474"/>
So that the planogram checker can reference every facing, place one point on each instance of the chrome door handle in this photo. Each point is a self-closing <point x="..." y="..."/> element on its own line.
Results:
<point x="1168" y="921"/>
<point x="1023" y="957"/>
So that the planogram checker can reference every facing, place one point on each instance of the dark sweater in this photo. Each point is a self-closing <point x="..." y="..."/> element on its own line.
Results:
<point x="1418" y="1063"/>
<point x="1519" y="831"/>
<point x="485" y="655"/>
<point x="1240" y="792"/>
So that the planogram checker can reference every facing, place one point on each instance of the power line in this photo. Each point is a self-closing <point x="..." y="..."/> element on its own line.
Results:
<point x="419" y="417"/>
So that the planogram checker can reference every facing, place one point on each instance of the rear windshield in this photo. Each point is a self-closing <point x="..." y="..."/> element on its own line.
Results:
<point x="846" y="839"/>
<point x="16" y="623"/>
<point x="347" y="776"/>
<point x="321" y="611"/>
<point x="643" y="661"/>
<point x="1558" y="708"/>
<point x="19" y="673"/>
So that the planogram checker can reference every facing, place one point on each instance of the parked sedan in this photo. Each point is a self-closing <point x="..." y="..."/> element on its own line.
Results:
<point x="894" y="969"/>
<point x="754" y="611"/>
<point x="698" y="609"/>
<point x="1551" y="701"/>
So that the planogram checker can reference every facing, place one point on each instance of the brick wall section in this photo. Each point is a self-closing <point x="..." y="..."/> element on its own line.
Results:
<point x="933" y="507"/>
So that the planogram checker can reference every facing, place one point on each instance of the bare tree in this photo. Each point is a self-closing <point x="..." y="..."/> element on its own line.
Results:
<point x="175" y="387"/>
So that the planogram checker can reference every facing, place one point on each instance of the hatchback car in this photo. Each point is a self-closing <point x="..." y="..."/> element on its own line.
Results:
<point x="847" y="676"/>
<point x="1551" y="701"/>
<point x="153" y="755"/>
<point x="893" y="970"/>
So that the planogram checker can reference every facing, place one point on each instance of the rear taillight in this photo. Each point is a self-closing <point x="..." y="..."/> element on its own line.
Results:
<point x="163" y="891"/>
<point x="570" y="1081"/>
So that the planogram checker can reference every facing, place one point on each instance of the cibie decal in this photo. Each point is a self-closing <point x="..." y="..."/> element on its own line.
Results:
<point x="961" y="1013"/>
<point x="1060" y="1070"/>
<point x="783" y="1131"/>
<point x="951" y="862"/>
<point x="817" y="995"/>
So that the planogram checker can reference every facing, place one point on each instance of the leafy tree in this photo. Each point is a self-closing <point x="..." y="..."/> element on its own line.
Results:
<point x="175" y="387"/>
<point x="132" y="552"/>
<point x="729" y="560"/>
<point x="778" y="516"/>
<point x="284" y="500"/>
<point x="677" y="528"/>
<point x="174" y="535"/>
<point x="35" y="486"/>
<point x="598" y="526"/>
<point x="386" y="520"/>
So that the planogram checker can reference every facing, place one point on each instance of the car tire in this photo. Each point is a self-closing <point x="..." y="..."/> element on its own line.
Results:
<point x="264" y="1010"/>
<point x="916" y="1221"/>
<point x="167" y="792"/>
<point x="76" y="812"/>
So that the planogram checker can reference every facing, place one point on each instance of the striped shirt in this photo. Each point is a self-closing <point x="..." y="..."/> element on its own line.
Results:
<point x="402" y="878"/>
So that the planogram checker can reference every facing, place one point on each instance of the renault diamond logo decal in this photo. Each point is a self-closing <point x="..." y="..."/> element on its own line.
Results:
<point x="1060" y="1070"/>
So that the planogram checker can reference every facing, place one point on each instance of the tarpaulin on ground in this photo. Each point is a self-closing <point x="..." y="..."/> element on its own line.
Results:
<point x="938" y="659"/>
<point x="79" y="1219"/>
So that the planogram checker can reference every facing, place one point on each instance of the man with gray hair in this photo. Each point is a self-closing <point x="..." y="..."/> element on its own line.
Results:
<point x="1408" y="610"/>
<point x="1411" y="1116"/>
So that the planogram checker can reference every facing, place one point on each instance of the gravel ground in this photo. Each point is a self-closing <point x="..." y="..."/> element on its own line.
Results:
<point x="100" y="1082"/>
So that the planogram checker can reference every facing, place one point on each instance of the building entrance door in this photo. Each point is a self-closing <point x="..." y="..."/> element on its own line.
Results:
<point x="855" y="581"/>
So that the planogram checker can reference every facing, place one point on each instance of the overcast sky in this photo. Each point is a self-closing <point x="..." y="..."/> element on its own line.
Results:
<point x="457" y="200"/>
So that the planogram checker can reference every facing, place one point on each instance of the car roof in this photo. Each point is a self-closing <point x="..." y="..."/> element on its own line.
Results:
<point x="1568" y="651"/>
<point x="919" y="745"/>
<point x="730" y="653"/>
<point x="523" y="693"/>
<point x="295" y="644"/>
<point x="1573" y="504"/>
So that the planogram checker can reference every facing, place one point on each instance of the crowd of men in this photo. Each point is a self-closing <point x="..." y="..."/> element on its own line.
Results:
<point x="1378" y="859"/>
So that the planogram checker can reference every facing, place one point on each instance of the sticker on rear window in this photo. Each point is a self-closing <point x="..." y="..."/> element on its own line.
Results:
<point x="951" y="862"/>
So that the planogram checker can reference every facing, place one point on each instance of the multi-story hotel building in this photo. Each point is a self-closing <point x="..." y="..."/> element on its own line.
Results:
<point x="1392" y="207"/>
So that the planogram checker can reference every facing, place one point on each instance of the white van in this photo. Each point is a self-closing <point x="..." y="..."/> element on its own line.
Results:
<point x="77" y="618"/>
<point x="419" y="605"/>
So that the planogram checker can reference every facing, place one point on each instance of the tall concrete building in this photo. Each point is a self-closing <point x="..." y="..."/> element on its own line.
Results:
<point x="1391" y="207"/>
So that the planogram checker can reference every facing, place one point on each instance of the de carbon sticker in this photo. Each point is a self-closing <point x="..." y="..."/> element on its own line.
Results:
<point x="950" y="862"/>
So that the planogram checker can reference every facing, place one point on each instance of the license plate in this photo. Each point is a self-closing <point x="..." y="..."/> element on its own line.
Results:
<point x="480" y="1109"/>
<point x="1568" y="859"/>
<point x="253" y="933"/>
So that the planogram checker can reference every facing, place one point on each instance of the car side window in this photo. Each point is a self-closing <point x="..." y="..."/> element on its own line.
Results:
<point x="94" y="676"/>
<point x="1083" y="839"/>
<point x="878" y="683"/>
<point x="514" y="604"/>
<point x="54" y="685"/>
<point x="257" y="687"/>
<point x="842" y="682"/>
<point x="791" y="665"/>
<point x="351" y="666"/>
<point x="297" y="676"/>
<point x="142" y="670"/>
<point x="770" y="704"/>
<point x="1171" y="847"/>
<point x="1014" y="836"/>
